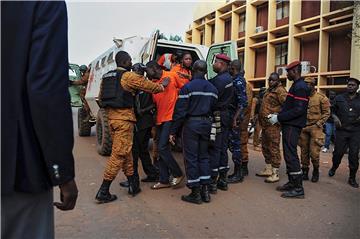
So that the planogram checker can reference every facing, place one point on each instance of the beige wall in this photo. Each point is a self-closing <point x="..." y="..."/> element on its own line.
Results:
<point x="206" y="7"/>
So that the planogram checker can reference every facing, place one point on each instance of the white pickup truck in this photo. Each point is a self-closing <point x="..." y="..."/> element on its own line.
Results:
<point x="141" y="50"/>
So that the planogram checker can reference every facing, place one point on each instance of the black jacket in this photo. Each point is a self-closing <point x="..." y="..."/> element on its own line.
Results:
<point x="348" y="111"/>
<point x="294" y="109"/>
<point x="36" y="117"/>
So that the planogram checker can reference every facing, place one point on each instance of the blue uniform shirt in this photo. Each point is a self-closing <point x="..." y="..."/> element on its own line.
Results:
<point x="294" y="109"/>
<point x="240" y="100"/>
<point x="224" y="84"/>
<point x="196" y="98"/>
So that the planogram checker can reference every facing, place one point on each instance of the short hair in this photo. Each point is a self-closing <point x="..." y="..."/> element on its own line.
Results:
<point x="354" y="80"/>
<point x="185" y="53"/>
<point x="200" y="66"/>
<point x="237" y="64"/>
<point x="275" y="74"/>
<point x="121" y="57"/>
<point x="153" y="64"/>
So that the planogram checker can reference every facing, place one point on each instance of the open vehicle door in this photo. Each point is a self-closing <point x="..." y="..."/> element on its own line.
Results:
<point x="229" y="48"/>
<point x="148" y="51"/>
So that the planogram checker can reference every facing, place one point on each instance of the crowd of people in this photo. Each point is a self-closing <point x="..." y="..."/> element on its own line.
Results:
<point x="211" y="116"/>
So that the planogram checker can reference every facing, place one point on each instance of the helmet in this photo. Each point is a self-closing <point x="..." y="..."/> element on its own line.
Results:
<point x="83" y="68"/>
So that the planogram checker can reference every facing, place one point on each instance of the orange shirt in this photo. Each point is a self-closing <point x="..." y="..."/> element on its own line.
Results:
<point x="165" y="101"/>
<point x="178" y="68"/>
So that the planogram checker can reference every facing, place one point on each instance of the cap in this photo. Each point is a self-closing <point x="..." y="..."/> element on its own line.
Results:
<point x="292" y="65"/>
<point x="354" y="79"/>
<point x="310" y="80"/>
<point x="223" y="57"/>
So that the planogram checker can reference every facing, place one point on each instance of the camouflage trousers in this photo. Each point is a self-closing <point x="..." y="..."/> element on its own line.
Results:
<point x="121" y="157"/>
<point x="270" y="145"/>
<point x="311" y="140"/>
<point x="244" y="137"/>
<point x="257" y="131"/>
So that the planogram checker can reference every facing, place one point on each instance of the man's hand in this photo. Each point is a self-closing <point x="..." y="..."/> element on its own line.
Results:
<point x="165" y="82"/>
<point x="68" y="196"/>
<point x="273" y="118"/>
<point x="172" y="139"/>
<point x="187" y="76"/>
<point x="337" y="121"/>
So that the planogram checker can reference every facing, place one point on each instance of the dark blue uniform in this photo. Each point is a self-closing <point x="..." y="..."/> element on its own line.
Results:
<point x="239" y="102"/>
<point x="293" y="118"/>
<point x="218" y="154"/>
<point x="193" y="109"/>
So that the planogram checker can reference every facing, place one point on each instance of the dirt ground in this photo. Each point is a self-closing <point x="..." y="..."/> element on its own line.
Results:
<point x="252" y="209"/>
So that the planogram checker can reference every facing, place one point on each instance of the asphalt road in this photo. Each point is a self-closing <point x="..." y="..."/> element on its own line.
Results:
<point x="252" y="209"/>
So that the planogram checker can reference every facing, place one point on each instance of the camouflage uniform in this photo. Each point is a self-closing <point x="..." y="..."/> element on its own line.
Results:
<point x="122" y="127"/>
<point x="244" y="135"/>
<point x="312" y="137"/>
<point x="272" y="102"/>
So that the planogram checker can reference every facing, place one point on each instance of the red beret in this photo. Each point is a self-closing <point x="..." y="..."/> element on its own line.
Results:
<point x="223" y="57"/>
<point x="292" y="65"/>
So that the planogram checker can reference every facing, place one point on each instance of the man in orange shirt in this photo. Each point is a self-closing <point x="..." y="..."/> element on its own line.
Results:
<point x="165" y="104"/>
<point x="183" y="69"/>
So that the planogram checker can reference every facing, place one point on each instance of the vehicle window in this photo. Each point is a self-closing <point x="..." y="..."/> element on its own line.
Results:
<point x="97" y="67"/>
<point x="110" y="57"/>
<point x="103" y="61"/>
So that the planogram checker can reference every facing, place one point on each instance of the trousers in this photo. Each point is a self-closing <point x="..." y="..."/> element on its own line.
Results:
<point x="234" y="145"/>
<point x="329" y="131"/>
<point x="290" y="138"/>
<point x="196" y="135"/>
<point x="218" y="153"/>
<point x="167" y="163"/>
<point x="271" y="145"/>
<point x="311" y="140"/>
<point x="121" y="158"/>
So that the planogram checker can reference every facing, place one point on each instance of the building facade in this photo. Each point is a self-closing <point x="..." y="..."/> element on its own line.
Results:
<point x="271" y="34"/>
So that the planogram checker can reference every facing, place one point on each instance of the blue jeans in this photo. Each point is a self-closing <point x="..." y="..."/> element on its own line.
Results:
<point x="167" y="163"/>
<point x="329" y="131"/>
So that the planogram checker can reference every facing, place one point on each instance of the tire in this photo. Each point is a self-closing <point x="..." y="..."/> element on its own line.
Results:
<point x="84" y="126"/>
<point x="103" y="137"/>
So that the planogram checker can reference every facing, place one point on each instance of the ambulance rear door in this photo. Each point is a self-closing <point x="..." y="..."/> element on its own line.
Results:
<point x="148" y="51"/>
<point x="229" y="48"/>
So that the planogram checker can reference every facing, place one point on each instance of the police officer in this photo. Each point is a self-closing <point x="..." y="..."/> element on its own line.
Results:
<point x="218" y="154"/>
<point x="120" y="109"/>
<point x="292" y="118"/>
<point x="193" y="109"/>
<point x="274" y="98"/>
<point x="237" y="113"/>
<point x="312" y="137"/>
<point x="346" y="114"/>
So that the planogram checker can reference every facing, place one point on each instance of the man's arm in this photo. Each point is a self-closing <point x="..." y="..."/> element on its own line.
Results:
<point x="281" y="94"/>
<point x="180" y="111"/>
<point x="301" y="100"/>
<point x="325" y="111"/>
<point x="135" y="82"/>
<point x="48" y="96"/>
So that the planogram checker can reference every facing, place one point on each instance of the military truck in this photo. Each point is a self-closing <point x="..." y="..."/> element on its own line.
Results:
<point x="74" y="90"/>
<point x="143" y="50"/>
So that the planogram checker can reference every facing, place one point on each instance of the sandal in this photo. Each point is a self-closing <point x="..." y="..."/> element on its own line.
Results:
<point x="159" y="185"/>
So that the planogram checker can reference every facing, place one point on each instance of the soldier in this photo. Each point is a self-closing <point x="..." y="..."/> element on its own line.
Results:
<point x="293" y="118"/>
<point x="120" y="110"/>
<point x="237" y="113"/>
<point x="312" y="136"/>
<point x="218" y="154"/>
<point x="346" y="115"/>
<point x="258" y="129"/>
<point x="193" y="110"/>
<point x="244" y="134"/>
<point x="273" y="99"/>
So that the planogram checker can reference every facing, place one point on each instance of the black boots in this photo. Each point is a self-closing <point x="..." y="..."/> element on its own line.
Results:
<point x="305" y="174"/>
<point x="213" y="185"/>
<point x="297" y="190"/>
<point x="124" y="184"/>
<point x="134" y="185"/>
<point x="222" y="183"/>
<point x="193" y="197"/>
<point x="315" y="175"/>
<point x="244" y="169"/>
<point x="205" y="196"/>
<point x="103" y="195"/>
<point x="352" y="179"/>
<point x="332" y="171"/>
<point x="286" y="187"/>
<point x="237" y="176"/>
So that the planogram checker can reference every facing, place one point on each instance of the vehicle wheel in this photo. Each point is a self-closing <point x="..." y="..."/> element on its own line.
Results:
<point x="84" y="126"/>
<point x="103" y="136"/>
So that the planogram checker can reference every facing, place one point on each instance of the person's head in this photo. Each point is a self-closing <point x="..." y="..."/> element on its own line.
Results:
<point x="311" y="83"/>
<point x="274" y="80"/>
<point x="153" y="70"/>
<point x="177" y="56"/>
<point x="199" y="69"/>
<point x="235" y="67"/>
<point x="123" y="59"/>
<point x="352" y="85"/>
<point x="83" y="69"/>
<point x="186" y="59"/>
<point x="332" y="94"/>
<point x="221" y="63"/>
<point x="139" y="68"/>
<point x="294" y="70"/>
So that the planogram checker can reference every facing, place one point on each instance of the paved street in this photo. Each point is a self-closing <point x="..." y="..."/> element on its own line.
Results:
<point x="252" y="209"/>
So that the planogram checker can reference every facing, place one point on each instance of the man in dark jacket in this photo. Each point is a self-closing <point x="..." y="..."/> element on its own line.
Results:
<point x="346" y="115"/>
<point x="292" y="118"/>
<point x="36" y="119"/>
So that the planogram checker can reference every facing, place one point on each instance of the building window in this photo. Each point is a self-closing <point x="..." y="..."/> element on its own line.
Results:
<point x="202" y="37"/>
<point x="242" y="22"/>
<point x="212" y="34"/>
<point x="282" y="9"/>
<point x="227" y="32"/>
<point x="281" y="52"/>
